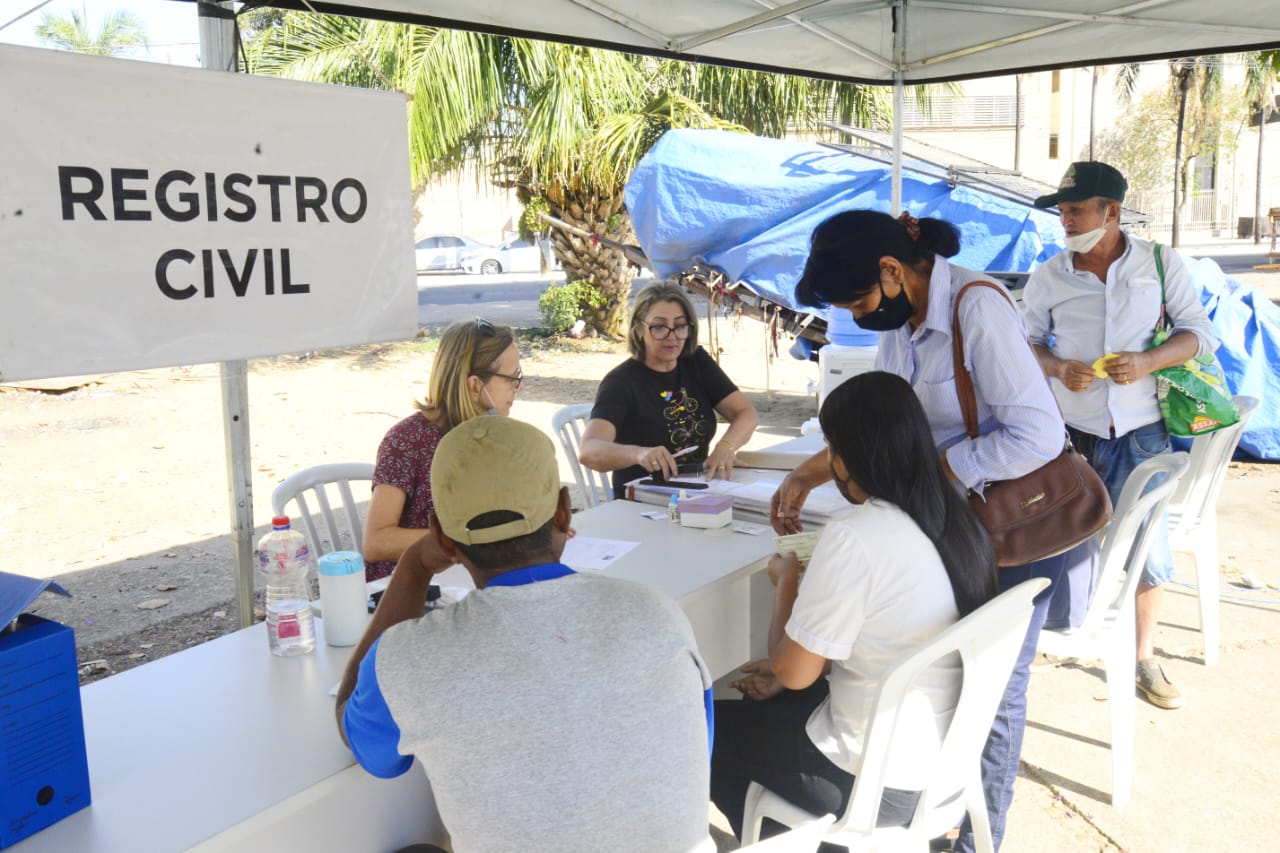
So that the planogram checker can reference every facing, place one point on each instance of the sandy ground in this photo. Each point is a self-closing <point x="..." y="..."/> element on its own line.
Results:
<point x="117" y="486"/>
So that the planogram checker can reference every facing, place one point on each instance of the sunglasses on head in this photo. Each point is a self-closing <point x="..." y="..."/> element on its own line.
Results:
<point x="485" y="329"/>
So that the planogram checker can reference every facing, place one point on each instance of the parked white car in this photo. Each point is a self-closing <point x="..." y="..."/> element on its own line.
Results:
<point x="512" y="256"/>
<point x="444" y="251"/>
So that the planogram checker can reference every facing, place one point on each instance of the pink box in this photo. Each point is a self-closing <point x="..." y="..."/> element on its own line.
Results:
<point x="707" y="511"/>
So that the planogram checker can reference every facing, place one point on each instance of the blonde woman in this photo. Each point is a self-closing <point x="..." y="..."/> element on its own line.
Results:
<point x="476" y="371"/>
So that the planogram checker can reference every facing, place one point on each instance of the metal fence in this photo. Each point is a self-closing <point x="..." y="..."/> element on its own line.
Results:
<point x="1208" y="213"/>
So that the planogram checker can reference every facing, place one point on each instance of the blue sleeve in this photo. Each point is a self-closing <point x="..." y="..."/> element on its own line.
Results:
<point x="710" y="708"/>
<point x="371" y="732"/>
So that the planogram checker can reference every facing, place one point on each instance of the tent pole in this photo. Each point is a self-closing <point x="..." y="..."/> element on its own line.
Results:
<point x="898" y="109"/>
<point x="899" y="99"/>
<point x="218" y="53"/>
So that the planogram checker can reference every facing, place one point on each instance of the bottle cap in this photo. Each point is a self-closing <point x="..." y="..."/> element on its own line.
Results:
<point x="280" y="522"/>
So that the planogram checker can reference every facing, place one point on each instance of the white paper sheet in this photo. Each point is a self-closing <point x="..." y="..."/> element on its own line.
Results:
<point x="587" y="553"/>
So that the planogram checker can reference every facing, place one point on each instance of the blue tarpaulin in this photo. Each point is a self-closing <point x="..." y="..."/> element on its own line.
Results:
<point x="1248" y="325"/>
<point x="748" y="205"/>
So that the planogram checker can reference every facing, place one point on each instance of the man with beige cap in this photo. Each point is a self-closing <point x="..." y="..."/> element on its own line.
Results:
<point x="550" y="710"/>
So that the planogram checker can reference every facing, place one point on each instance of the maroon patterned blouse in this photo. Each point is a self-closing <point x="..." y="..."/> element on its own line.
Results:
<point x="404" y="461"/>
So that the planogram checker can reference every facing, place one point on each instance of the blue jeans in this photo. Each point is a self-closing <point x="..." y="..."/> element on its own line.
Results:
<point x="1114" y="459"/>
<point x="1004" y="745"/>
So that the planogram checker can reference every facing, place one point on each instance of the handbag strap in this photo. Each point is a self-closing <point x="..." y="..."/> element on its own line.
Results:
<point x="1163" y="321"/>
<point x="964" y="380"/>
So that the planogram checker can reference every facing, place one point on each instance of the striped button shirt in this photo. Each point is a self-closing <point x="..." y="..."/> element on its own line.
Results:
<point x="1020" y="427"/>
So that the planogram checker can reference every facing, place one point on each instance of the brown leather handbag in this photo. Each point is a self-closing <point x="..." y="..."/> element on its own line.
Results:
<point x="1051" y="510"/>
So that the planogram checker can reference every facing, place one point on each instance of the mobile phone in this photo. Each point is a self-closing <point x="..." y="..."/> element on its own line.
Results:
<point x="674" y="484"/>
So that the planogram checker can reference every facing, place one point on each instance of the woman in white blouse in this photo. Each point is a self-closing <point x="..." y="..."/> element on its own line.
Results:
<point x="906" y="560"/>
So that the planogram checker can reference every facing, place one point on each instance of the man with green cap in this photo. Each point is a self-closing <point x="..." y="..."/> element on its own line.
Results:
<point x="550" y="710"/>
<point x="1091" y="313"/>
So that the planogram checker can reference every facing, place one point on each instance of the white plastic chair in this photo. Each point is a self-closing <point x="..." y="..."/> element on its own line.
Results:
<point x="569" y="423"/>
<point x="799" y="839"/>
<point x="1193" y="517"/>
<point x="313" y="481"/>
<point x="988" y="641"/>
<point x="1107" y="632"/>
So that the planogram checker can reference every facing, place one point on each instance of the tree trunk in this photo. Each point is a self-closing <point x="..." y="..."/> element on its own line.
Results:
<point x="585" y="260"/>
<point x="1017" y="122"/>
<point x="1093" y="110"/>
<point x="1257" y="198"/>
<point x="1177" y="157"/>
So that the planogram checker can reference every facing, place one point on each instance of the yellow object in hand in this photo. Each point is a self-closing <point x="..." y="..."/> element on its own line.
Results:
<point x="1099" y="366"/>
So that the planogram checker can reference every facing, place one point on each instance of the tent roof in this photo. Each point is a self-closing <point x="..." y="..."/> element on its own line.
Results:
<point x="854" y="39"/>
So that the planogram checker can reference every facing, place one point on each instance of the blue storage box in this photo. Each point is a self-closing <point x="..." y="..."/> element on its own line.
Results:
<point x="44" y="773"/>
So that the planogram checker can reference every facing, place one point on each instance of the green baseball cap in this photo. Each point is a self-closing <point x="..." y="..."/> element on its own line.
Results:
<point x="1087" y="179"/>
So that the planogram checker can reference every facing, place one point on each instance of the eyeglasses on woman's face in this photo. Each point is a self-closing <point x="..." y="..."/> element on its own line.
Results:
<point x="661" y="331"/>
<point x="516" y="381"/>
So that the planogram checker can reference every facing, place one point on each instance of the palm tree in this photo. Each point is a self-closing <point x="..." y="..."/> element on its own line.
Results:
<point x="1201" y="75"/>
<point x="1262" y="72"/>
<point x="120" y="32"/>
<point x="563" y="125"/>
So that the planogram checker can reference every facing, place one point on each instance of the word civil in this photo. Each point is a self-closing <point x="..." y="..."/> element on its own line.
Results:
<point x="238" y="276"/>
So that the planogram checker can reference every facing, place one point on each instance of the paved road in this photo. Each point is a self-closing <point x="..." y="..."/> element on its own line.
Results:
<point x="510" y="298"/>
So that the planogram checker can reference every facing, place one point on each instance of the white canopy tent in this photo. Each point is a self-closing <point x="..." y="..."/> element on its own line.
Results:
<point x="898" y="42"/>
<point x="863" y="41"/>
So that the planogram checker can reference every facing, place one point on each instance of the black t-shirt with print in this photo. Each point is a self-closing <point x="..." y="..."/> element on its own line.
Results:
<point x="651" y="409"/>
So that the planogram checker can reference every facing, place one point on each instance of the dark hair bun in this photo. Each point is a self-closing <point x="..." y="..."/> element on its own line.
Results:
<point x="939" y="237"/>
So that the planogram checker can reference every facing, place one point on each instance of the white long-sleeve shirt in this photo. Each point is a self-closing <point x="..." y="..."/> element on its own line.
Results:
<point x="1080" y="317"/>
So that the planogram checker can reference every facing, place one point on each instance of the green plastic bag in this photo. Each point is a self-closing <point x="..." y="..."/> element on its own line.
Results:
<point x="1193" y="396"/>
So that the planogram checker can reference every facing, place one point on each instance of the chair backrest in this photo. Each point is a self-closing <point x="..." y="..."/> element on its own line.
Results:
<point x="313" y="482"/>
<point x="569" y="423"/>
<point x="1210" y="454"/>
<point x="1127" y="537"/>
<point x="988" y="641"/>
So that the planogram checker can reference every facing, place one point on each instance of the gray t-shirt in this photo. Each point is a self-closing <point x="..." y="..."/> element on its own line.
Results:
<point x="562" y="715"/>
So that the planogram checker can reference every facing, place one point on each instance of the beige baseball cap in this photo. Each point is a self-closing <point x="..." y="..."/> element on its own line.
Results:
<point x="493" y="463"/>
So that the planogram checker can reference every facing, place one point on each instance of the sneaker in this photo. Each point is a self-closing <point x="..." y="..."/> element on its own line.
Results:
<point x="1156" y="687"/>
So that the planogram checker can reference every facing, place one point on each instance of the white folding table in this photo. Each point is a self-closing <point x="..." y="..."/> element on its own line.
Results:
<point x="225" y="747"/>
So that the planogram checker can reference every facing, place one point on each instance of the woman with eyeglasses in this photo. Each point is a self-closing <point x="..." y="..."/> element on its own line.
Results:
<point x="664" y="399"/>
<point x="476" y="371"/>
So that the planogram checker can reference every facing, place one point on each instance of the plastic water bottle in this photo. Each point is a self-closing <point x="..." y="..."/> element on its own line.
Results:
<point x="673" y="508"/>
<point x="285" y="561"/>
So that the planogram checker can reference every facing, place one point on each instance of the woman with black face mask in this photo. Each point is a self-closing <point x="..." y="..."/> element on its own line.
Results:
<point x="893" y="275"/>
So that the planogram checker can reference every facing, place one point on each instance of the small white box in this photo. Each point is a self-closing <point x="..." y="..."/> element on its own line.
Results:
<point x="837" y="363"/>
<point x="706" y="511"/>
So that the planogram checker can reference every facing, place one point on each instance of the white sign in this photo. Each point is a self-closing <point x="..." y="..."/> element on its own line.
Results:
<point x="153" y="216"/>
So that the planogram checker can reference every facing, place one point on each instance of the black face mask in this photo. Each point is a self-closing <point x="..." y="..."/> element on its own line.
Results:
<point x="890" y="314"/>
<point x="842" y="486"/>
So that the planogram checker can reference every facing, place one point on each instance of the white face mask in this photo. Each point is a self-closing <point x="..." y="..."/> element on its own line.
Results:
<point x="493" y="407"/>
<point x="1084" y="243"/>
